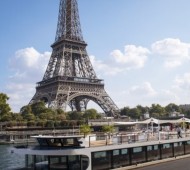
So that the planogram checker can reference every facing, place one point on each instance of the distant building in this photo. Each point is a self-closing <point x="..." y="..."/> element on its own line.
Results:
<point x="176" y="114"/>
<point x="146" y="115"/>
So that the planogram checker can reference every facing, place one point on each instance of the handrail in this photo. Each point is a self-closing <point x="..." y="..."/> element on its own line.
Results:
<point x="115" y="139"/>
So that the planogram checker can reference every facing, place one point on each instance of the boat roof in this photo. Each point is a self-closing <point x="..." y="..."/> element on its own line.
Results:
<point x="57" y="137"/>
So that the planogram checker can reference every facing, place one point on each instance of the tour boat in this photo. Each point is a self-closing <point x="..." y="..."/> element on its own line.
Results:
<point x="92" y="152"/>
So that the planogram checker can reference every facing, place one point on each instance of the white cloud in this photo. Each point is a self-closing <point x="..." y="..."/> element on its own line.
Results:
<point x="28" y="67"/>
<point x="133" y="57"/>
<point x="29" y="64"/>
<point x="174" y="51"/>
<point x="20" y="94"/>
<point x="183" y="82"/>
<point x="106" y="69"/>
<point x="145" y="89"/>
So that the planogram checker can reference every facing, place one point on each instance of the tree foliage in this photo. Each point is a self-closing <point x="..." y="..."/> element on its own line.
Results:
<point x="108" y="128"/>
<point x="5" y="110"/>
<point x="85" y="129"/>
<point x="91" y="114"/>
<point x="39" y="114"/>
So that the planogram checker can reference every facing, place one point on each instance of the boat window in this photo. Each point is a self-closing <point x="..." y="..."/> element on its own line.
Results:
<point x="178" y="144"/>
<point x="149" y="148"/>
<point x="124" y="151"/>
<point x="152" y="147"/>
<point x="116" y="152"/>
<point x="99" y="154"/>
<point x="155" y="147"/>
<point x="137" y="149"/>
<point x="42" y="142"/>
<point x="53" y="142"/>
<point x="167" y="145"/>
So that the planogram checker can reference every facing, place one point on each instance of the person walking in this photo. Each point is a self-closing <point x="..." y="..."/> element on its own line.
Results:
<point x="179" y="132"/>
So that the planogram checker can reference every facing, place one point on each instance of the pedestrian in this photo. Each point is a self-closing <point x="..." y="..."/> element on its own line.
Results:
<point x="179" y="132"/>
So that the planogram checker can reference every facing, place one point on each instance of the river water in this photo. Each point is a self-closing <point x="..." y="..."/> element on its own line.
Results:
<point x="10" y="160"/>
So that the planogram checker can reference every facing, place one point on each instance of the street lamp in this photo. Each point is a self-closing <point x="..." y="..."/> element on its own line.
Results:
<point x="152" y="121"/>
<point x="183" y="119"/>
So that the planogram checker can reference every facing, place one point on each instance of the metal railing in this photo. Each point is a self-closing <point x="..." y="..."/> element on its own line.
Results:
<point x="115" y="139"/>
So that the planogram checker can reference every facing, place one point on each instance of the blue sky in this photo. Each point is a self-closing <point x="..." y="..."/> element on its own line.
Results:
<point x="141" y="48"/>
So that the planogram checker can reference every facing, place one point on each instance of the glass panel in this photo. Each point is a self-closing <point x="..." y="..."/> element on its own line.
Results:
<point x="30" y="161"/>
<point x="116" y="159"/>
<point x="101" y="160"/>
<point x="115" y="152"/>
<point x="120" y="158"/>
<point x="58" y="162"/>
<point x="138" y="149"/>
<point x="70" y="142"/>
<point x="42" y="142"/>
<point x="138" y="155"/>
<point x="124" y="151"/>
<point x="187" y="147"/>
<point x="156" y="147"/>
<point x="84" y="162"/>
<point x="153" y="153"/>
<point x="166" y="150"/>
<point x="99" y="154"/>
<point x="124" y="157"/>
<point x="74" y="162"/>
<point x="178" y="149"/>
<point x="149" y="148"/>
<point x="41" y="163"/>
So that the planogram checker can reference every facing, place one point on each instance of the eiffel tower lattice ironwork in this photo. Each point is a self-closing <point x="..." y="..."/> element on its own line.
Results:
<point x="70" y="78"/>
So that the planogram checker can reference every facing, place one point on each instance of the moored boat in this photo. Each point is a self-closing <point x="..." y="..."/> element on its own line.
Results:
<point x="91" y="152"/>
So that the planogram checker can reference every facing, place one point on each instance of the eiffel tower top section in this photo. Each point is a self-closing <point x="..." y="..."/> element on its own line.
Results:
<point x="68" y="26"/>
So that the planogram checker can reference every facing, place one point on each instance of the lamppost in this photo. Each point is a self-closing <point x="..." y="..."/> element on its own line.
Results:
<point x="152" y="122"/>
<point x="183" y="121"/>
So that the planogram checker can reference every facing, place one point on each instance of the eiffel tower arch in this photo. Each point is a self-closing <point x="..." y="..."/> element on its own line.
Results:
<point x="70" y="79"/>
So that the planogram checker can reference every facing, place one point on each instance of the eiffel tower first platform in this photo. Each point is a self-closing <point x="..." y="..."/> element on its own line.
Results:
<point x="70" y="78"/>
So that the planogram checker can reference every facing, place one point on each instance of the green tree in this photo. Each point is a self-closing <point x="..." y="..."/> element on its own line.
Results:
<point x="7" y="117"/>
<point x="135" y="113"/>
<point x="29" y="117"/>
<point x="85" y="129"/>
<point x="172" y="107"/>
<point x="27" y="114"/>
<point x="157" y="110"/>
<point x="108" y="129"/>
<point x="60" y="115"/>
<point x="74" y="115"/>
<point x="17" y="117"/>
<point x="38" y="107"/>
<point x="90" y="114"/>
<point x="50" y="124"/>
<point x="49" y="115"/>
<point x="142" y="109"/>
<point x="26" y="110"/>
<point x="4" y="106"/>
<point x="125" y="111"/>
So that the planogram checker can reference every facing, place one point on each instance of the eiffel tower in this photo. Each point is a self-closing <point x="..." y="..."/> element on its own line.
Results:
<point x="70" y="79"/>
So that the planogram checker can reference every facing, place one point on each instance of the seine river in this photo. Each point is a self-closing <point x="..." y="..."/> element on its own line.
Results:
<point x="8" y="160"/>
